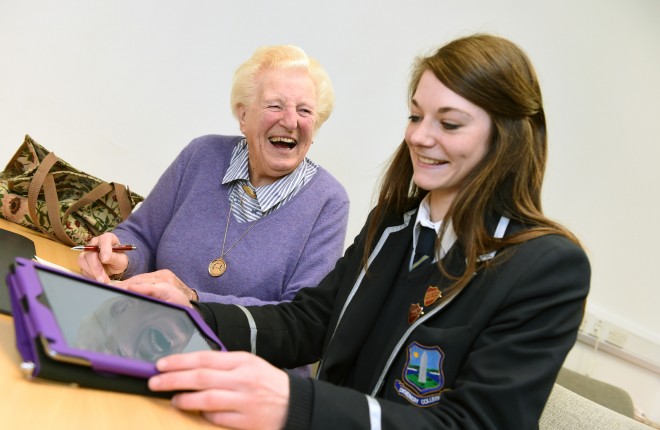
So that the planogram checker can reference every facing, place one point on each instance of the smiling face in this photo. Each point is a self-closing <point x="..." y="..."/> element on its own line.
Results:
<point x="279" y="123"/>
<point x="148" y="333"/>
<point x="447" y="137"/>
<point x="127" y="327"/>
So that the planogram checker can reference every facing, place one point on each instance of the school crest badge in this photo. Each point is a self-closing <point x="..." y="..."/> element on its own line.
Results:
<point x="422" y="375"/>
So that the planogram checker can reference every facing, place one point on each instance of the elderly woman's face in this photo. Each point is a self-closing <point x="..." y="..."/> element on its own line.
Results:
<point x="279" y="124"/>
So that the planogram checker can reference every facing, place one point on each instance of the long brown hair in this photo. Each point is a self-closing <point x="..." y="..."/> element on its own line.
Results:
<point x="497" y="76"/>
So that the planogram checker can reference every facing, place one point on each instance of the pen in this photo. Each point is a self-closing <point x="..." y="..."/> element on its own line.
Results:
<point x="115" y="248"/>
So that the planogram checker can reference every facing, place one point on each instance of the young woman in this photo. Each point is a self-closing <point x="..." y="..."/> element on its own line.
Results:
<point x="472" y="341"/>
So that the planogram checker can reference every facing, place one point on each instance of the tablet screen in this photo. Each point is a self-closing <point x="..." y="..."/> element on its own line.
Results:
<point x="106" y="320"/>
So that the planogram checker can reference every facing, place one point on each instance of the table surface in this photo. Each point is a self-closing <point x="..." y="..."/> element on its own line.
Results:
<point x="34" y="404"/>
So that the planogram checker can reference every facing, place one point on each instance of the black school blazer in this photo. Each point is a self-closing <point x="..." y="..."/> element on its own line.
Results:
<point x="502" y="339"/>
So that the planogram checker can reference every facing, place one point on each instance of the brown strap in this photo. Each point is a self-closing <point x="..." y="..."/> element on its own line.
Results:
<point x="35" y="187"/>
<point x="99" y="191"/>
<point x="53" y="206"/>
<point x="125" y="208"/>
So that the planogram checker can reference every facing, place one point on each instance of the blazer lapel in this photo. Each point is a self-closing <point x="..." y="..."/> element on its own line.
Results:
<point x="365" y="302"/>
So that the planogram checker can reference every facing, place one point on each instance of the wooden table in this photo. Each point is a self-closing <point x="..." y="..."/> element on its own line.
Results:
<point x="32" y="404"/>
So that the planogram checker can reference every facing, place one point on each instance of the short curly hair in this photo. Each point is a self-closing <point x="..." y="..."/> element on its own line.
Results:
<point x="282" y="57"/>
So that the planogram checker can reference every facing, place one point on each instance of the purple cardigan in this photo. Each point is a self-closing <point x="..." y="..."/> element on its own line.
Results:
<point x="181" y="224"/>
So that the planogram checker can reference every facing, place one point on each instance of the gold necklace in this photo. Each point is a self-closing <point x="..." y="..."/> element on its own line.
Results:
<point x="219" y="266"/>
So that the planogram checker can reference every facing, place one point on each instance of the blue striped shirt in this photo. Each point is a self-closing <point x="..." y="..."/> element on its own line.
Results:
<point x="269" y="197"/>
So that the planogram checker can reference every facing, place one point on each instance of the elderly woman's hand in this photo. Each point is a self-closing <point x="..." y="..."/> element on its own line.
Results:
<point x="164" y="279"/>
<point x="101" y="265"/>
<point x="237" y="390"/>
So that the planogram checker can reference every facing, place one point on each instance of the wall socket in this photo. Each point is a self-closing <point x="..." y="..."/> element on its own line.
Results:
<point x="616" y="340"/>
<point x="603" y="331"/>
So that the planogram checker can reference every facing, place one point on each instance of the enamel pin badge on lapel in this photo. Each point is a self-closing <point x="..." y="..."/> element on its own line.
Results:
<point x="430" y="298"/>
<point x="432" y="295"/>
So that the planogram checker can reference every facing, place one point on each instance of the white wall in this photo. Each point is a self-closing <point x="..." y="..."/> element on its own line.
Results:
<point x="119" y="87"/>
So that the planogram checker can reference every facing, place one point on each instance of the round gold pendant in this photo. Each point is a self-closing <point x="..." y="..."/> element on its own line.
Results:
<point x="217" y="267"/>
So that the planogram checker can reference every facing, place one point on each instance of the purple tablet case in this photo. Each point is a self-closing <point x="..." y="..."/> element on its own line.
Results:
<point x="46" y="353"/>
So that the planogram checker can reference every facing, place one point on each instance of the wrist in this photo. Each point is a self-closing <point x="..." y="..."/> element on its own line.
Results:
<point x="301" y="400"/>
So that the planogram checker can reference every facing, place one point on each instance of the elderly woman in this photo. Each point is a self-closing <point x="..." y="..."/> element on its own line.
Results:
<point x="242" y="219"/>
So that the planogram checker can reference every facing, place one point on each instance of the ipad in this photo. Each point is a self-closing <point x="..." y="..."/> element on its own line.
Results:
<point x="74" y="320"/>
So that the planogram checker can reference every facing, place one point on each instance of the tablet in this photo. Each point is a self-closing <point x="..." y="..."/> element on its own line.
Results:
<point x="66" y="321"/>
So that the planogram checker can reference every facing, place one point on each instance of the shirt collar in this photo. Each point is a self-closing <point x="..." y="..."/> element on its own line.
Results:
<point x="238" y="165"/>
<point x="267" y="195"/>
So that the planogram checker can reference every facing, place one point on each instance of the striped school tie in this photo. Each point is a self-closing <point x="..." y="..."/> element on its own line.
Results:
<point x="425" y="246"/>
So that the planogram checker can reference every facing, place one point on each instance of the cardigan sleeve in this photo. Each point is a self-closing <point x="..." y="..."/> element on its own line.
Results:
<point x="146" y="225"/>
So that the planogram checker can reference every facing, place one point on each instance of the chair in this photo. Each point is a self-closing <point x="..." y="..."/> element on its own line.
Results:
<point x="567" y="410"/>
<point x="608" y="395"/>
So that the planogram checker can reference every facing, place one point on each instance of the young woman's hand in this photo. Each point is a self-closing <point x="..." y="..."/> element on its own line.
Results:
<point x="236" y="390"/>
